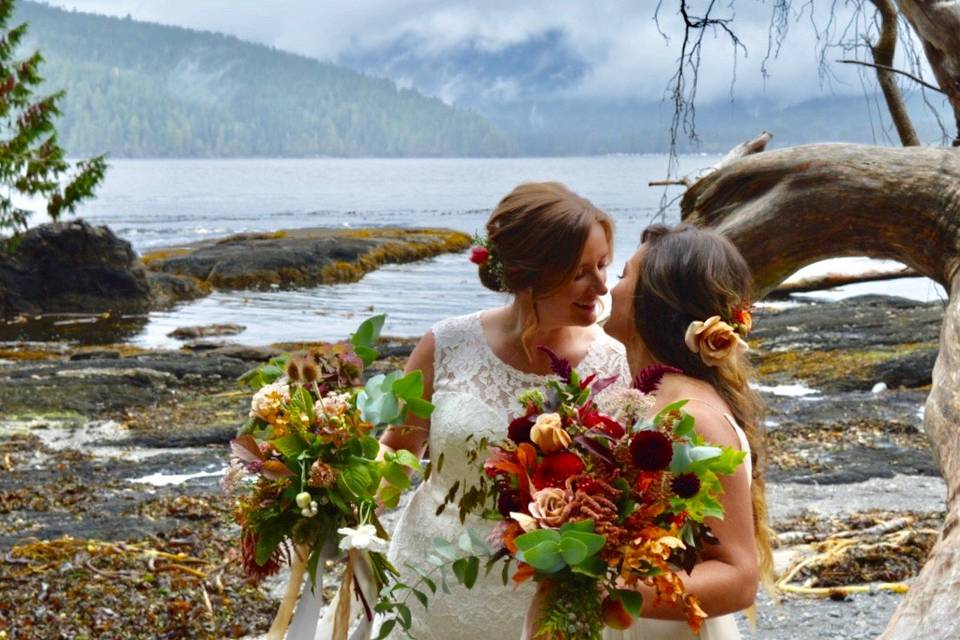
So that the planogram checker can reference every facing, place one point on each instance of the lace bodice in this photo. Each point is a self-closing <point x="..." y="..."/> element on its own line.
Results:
<point x="474" y="394"/>
<point x="463" y="361"/>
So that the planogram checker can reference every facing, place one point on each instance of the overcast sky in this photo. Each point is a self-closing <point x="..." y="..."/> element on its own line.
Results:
<point x="617" y="39"/>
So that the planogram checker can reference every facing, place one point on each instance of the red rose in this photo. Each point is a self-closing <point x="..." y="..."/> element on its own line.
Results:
<point x="556" y="468"/>
<point x="479" y="255"/>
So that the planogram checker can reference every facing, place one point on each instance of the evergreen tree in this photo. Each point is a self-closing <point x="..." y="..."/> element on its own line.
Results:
<point x="32" y="163"/>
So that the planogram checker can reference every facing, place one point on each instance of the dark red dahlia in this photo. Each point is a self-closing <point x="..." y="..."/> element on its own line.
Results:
<point x="508" y="501"/>
<point x="686" y="485"/>
<point x="519" y="429"/>
<point x="651" y="450"/>
<point x="556" y="468"/>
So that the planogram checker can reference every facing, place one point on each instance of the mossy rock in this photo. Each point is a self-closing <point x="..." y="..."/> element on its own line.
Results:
<point x="302" y="257"/>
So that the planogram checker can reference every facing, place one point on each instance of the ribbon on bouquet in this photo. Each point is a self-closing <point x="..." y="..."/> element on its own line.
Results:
<point x="340" y="614"/>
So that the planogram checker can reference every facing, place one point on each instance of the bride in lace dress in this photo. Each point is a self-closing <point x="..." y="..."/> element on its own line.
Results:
<point x="680" y="277"/>
<point x="550" y="249"/>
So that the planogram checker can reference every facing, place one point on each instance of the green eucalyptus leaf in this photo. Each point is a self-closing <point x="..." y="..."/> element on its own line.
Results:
<point x="535" y="537"/>
<point x="572" y="550"/>
<point x="592" y="541"/>
<point x="544" y="557"/>
<point x="419" y="407"/>
<point x="409" y="386"/>
<point x="407" y="459"/>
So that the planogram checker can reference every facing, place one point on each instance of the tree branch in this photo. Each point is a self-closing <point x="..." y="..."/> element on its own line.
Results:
<point x="895" y="70"/>
<point x="883" y="51"/>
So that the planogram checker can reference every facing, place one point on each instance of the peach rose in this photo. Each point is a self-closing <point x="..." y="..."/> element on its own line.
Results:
<point x="548" y="433"/>
<point x="714" y="340"/>
<point x="547" y="507"/>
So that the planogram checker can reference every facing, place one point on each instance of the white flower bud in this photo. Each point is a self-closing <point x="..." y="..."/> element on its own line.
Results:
<point x="303" y="499"/>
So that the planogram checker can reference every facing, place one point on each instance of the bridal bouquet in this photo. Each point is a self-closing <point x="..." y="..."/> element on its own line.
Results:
<point x="596" y="499"/>
<point x="309" y="467"/>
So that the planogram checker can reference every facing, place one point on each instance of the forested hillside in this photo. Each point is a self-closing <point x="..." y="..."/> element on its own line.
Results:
<point x="141" y="89"/>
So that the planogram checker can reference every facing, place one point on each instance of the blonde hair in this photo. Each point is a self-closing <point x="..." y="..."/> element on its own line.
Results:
<point x="537" y="234"/>
<point x="688" y="274"/>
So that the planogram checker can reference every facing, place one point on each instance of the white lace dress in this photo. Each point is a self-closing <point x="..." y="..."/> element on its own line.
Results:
<point x="474" y="393"/>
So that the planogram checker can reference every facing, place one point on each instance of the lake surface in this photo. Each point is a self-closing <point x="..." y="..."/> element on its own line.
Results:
<point x="155" y="203"/>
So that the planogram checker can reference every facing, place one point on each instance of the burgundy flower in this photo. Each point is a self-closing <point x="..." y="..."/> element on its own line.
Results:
<point x="479" y="255"/>
<point x="508" y="501"/>
<point x="648" y="380"/>
<point x="556" y="468"/>
<point x="560" y="366"/>
<point x="651" y="450"/>
<point x="686" y="485"/>
<point x="519" y="429"/>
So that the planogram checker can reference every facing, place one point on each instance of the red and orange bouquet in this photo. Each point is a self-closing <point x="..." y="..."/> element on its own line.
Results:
<point x="597" y="499"/>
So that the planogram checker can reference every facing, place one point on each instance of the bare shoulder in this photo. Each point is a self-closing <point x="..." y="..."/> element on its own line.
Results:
<point x="705" y="405"/>
<point x="422" y="355"/>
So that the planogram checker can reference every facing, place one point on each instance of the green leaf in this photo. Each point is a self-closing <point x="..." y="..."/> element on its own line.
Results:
<point x="572" y="550"/>
<point x="371" y="447"/>
<point x="290" y="445"/>
<point x="386" y="628"/>
<point x="419" y="407"/>
<point x="396" y="474"/>
<point x="535" y="537"/>
<point x="473" y="570"/>
<point x="366" y="354"/>
<point x="460" y="570"/>
<point x="445" y="548"/>
<point x="581" y="525"/>
<point x="269" y="537"/>
<point x="368" y="333"/>
<point x="421" y="596"/>
<point x="544" y="557"/>
<point x="592" y="566"/>
<point x="409" y="386"/>
<point x="681" y="460"/>
<point x="464" y="542"/>
<point x="407" y="459"/>
<point x="632" y="601"/>
<point x="675" y="406"/>
<point x="593" y="541"/>
<point x="685" y="427"/>
<point x="390" y="496"/>
<point x="480" y="546"/>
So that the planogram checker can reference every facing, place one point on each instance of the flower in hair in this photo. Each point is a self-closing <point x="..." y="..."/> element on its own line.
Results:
<point x="742" y="320"/>
<point x="479" y="255"/>
<point x="715" y="341"/>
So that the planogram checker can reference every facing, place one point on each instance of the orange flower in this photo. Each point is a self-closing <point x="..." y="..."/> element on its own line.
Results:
<point x="548" y="433"/>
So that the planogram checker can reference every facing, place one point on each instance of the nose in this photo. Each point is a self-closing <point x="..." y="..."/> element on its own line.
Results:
<point x="600" y="282"/>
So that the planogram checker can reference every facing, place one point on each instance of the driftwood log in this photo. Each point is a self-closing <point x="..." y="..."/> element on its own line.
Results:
<point x="788" y="208"/>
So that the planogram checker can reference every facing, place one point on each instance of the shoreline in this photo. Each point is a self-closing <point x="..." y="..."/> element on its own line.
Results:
<point x="118" y="448"/>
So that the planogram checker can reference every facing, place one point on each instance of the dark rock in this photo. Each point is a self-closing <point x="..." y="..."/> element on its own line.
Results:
<point x="910" y="370"/>
<point x="72" y="267"/>
<point x="166" y="289"/>
<point x="95" y="355"/>
<point x="189" y="333"/>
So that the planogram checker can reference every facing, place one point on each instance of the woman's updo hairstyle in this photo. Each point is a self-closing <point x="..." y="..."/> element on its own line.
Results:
<point x="536" y="237"/>
<point x="686" y="274"/>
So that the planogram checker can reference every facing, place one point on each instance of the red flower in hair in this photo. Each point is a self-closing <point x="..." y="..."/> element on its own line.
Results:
<point x="479" y="255"/>
<point x="556" y="468"/>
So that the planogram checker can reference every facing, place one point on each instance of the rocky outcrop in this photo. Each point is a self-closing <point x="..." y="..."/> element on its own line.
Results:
<point x="72" y="267"/>
<point x="301" y="257"/>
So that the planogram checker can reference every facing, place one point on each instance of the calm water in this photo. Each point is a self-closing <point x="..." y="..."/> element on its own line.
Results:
<point x="155" y="203"/>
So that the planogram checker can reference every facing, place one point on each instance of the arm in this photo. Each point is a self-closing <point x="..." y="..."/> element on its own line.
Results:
<point x="726" y="580"/>
<point x="412" y="436"/>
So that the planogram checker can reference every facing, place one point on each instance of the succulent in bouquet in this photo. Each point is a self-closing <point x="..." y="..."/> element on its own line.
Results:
<point x="307" y="467"/>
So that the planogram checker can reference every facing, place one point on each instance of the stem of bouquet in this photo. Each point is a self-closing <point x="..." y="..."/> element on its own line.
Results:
<point x="298" y="566"/>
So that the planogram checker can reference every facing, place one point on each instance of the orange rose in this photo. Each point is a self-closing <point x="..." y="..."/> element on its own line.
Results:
<point x="714" y="340"/>
<point x="548" y="433"/>
<point x="547" y="507"/>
